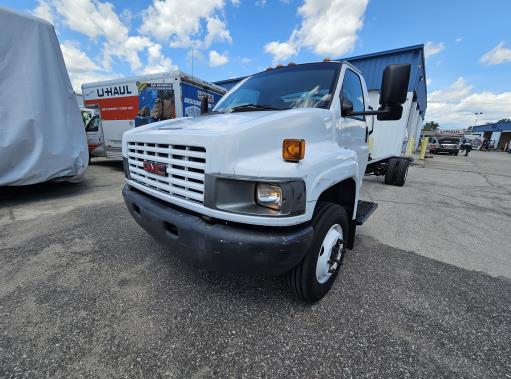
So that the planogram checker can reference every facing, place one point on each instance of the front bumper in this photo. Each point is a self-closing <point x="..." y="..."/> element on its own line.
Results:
<point x="217" y="246"/>
<point x="447" y="149"/>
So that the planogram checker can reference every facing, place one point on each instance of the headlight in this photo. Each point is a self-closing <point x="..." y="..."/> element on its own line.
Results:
<point x="269" y="196"/>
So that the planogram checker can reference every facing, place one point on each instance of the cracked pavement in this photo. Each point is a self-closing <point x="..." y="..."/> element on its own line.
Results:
<point x="85" y="292"/>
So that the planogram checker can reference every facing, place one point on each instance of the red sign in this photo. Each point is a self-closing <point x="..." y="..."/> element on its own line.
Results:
<point x="155" y="168"/>
<point x="116" y="108"/>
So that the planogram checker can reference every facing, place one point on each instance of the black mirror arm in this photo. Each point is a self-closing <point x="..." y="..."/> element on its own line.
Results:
<point x="367" y="113"/>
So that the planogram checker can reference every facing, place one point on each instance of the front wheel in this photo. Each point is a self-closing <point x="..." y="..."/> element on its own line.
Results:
<point x="313" y="277"/>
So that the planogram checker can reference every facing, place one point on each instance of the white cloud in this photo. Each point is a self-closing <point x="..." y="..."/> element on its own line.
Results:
<point x="455" y="105"/>
<point x="43" y="10"/>
<point x="459" y="39"/>
<point x="217" y="32"/>
<point x="157" y="62"/>
<point x="281" y="50"/>
<point x="77" y="79"/>
<point x="428" y="81"/>
<point x="499" y="54"/>
<point x="76" y="60"/>
<point x="432" y="48"/>
<point x="92" y="18"/>
<point x="245" y="60"/>
<point x="80" y="67"/>
<point x="100" y="21"/>
<point x="261" y="3"/>
<point x="328" y="28"/>
<point x="235" y="3"/>
<point x="180" y="22"/>
<point x="216" y="59"/>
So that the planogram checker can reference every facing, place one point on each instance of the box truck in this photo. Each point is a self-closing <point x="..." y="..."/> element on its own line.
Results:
<point x="126" y="103"/>
<point x="268" y="182"/>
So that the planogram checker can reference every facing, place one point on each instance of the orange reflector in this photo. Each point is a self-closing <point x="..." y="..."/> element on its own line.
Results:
<point x="293" y="150"/>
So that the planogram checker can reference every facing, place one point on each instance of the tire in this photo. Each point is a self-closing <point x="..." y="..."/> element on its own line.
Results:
<point x="390" y="173"/>
<point x="401" y="172"/>
<point x="456" y="153"/>
<point x="307" y="280"/>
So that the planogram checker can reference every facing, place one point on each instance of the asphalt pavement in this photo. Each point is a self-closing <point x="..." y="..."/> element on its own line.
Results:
<point x="85" y="292"/>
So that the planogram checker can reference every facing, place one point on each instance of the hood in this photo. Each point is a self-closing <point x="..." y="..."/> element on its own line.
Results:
<point x="227" y="123"/>
<point x="233" y="137"/>
<point x="220" y="122"/>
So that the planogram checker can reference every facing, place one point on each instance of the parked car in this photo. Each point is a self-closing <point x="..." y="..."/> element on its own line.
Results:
<point x="449" y="145"/>
<point x="432" y="144"/>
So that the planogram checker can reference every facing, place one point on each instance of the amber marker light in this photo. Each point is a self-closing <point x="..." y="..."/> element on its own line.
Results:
<point x="293" y="150"/>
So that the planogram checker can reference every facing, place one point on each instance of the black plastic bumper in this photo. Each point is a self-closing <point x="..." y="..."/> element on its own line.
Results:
<point x="443" y="150"/>
<point x="219" y="247"/>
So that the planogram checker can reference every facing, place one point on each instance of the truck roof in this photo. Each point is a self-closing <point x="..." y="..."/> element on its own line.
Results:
<point x="162" y="75"/>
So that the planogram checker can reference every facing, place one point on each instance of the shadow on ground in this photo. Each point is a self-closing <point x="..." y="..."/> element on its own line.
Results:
<point x="94" y="295"/>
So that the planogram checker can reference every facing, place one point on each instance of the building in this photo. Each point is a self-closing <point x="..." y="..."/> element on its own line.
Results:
<point x="372" y="66"/>
<point x="500" y="132"/>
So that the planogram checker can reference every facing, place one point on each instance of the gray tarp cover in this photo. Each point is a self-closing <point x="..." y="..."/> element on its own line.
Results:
<point x="41" y="130"/>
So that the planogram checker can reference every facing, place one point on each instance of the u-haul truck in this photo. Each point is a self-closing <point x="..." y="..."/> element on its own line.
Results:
<point x="125" y="103"/>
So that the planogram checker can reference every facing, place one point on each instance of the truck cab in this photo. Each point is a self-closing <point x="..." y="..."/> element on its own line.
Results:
<point x="268" y="181"/>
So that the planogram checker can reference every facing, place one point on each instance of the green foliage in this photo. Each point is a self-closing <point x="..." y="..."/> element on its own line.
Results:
<point x="431" y="125"/>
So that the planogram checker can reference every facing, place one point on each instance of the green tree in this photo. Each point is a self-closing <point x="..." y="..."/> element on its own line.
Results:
<point x="431" y="125"/>
<point x="505" y="120"/>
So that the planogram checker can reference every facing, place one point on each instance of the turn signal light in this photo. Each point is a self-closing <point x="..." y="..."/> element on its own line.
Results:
<point x="293" y="150"/>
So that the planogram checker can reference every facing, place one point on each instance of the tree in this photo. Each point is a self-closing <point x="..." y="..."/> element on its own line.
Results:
<point x="431" y="125"/>
<point x="505" y="120"/>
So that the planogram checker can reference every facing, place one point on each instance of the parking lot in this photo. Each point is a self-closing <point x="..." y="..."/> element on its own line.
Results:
<point x="84" y="291"/>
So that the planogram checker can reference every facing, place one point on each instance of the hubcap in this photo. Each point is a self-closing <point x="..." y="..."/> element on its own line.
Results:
<point x="329" y="255"/>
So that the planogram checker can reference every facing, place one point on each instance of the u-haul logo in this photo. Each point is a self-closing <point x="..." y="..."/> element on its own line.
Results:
<point x="114" y="91"/>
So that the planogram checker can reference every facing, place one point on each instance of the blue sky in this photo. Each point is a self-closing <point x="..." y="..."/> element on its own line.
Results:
<point x="468" y="42"/>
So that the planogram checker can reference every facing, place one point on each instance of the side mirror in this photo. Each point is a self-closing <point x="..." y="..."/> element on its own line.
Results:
<point x="394" y="87"/>
<point x="204" y="106"/>
<point x="346" y="107"/>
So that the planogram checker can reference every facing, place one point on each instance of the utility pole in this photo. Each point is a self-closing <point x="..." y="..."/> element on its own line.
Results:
<point x="477" y="116"/>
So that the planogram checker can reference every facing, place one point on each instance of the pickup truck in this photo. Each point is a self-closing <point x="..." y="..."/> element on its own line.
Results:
<point x="268" y="181"/>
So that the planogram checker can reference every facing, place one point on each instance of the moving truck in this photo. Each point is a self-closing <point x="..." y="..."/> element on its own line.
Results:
<point x="268" y="182"/>
<point x="122" y="104"/>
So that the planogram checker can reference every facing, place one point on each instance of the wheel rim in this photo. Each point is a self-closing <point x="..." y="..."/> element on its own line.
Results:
<point x="329" y="255"/>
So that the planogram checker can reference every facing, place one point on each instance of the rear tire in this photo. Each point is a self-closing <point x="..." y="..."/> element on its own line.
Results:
<point x="390" y="173"/>
<point x="313" y="277"/>
<point x="401" y="172"/>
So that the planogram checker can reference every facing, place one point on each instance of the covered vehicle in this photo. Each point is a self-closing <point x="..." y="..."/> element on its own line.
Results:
<point x="42" y="136"/>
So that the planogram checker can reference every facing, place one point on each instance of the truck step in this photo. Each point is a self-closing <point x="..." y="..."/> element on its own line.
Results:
<point x="364" y="210"/>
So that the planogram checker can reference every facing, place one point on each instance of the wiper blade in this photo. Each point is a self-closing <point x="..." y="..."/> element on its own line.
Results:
<point x="254" y="106"/>
<point x="212" y="112"/>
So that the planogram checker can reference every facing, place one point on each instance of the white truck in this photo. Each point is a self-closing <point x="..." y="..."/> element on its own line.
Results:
<point x="126" y="103"/>
<point x="267" y="182"/>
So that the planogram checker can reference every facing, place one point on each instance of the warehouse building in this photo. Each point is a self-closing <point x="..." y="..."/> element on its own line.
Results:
<point x="500" y="132"/>
<point x="372" y="66"/>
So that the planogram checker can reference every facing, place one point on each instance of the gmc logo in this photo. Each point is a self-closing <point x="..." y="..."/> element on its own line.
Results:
<point x="156" y="168"/>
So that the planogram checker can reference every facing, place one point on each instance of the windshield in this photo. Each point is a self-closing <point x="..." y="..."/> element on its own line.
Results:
<point x="301" y="86"/>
